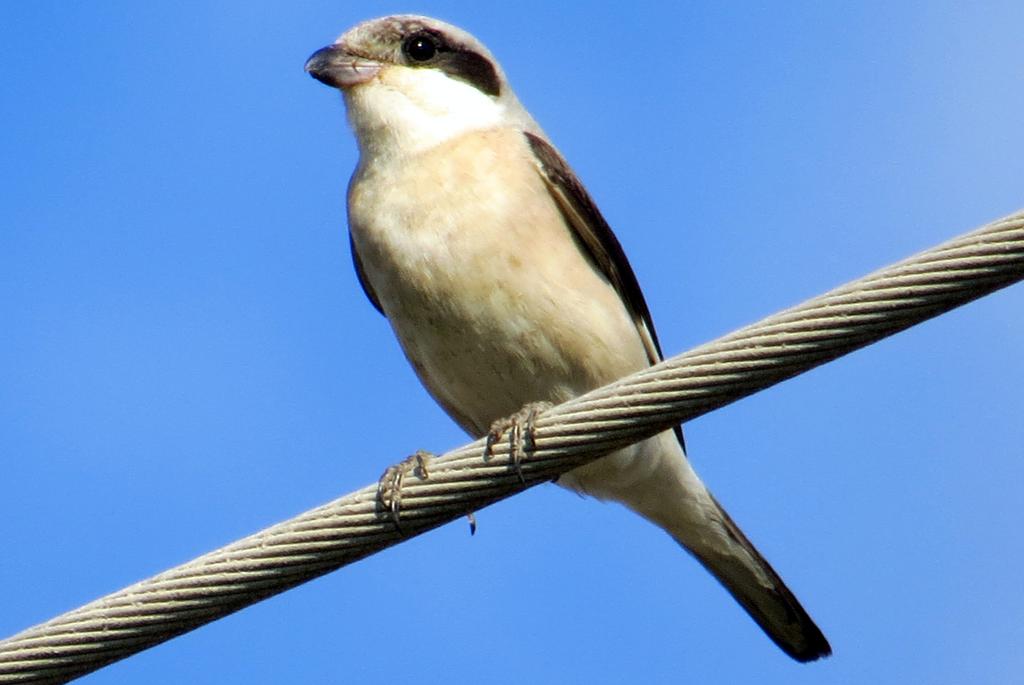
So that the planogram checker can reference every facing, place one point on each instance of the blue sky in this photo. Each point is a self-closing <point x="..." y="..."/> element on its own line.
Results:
<point x="186" y="356"/>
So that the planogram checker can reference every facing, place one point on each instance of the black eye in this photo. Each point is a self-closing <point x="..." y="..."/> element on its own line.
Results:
<point x="419" y="48"/>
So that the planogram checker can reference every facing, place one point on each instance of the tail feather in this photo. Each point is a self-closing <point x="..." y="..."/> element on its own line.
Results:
<point x="758" y="588"/>
<point x="655" y="480"/>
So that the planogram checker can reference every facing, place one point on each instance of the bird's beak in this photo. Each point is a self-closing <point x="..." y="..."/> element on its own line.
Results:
<point x="339" y="69"/>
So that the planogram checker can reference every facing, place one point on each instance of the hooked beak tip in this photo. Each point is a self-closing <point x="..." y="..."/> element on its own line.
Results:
<point x="335" y="67"/>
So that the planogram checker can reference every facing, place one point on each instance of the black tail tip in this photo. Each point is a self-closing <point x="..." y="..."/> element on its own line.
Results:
<point x="812" y="648"/>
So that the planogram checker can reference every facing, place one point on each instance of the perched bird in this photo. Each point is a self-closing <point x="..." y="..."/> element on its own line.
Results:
<point x="504" y="284"/>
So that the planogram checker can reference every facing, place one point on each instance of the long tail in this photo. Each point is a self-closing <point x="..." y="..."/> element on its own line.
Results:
<point x="750" y="579"/>
<point x="673" y="497"/>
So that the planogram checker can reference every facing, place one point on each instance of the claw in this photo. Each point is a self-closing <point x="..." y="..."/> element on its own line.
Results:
<point x="389" y="487"/>
<point x="520" y="429"/>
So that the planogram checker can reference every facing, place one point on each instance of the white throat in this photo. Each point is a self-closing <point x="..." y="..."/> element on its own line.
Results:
<point x="406" y="110"/>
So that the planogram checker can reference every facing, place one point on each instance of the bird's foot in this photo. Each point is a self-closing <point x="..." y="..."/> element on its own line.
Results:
<point x="520" y="429"/>
<point x="389" y="487"/>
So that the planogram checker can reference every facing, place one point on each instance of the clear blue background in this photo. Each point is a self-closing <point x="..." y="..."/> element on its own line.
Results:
<point x="186" y="357"/>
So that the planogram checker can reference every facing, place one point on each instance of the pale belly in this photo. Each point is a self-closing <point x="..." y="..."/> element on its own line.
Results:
<point x="488" y="292"/>
<point x="485" y="286"/>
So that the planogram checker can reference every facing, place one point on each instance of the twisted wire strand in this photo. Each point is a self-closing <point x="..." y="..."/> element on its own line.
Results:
<point x="464" y="480"/>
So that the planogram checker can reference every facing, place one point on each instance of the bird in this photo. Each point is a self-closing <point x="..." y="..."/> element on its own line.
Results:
<point x="506" y="287"/>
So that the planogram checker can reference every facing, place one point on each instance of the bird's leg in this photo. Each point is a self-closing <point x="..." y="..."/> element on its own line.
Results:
<point x="389" y="487"/>
<point x="520" y="429"/>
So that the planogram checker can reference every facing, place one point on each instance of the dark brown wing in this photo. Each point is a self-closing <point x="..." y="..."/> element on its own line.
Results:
<point x="596" y="236"/>
<point x="370" y="295"/>
<point x="600" y="242"/>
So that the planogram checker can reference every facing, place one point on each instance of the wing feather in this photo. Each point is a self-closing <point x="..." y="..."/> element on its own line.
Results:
<point x="367" y="288"/>
<point x="600" y="243"/>
<point x="596" y="236"/>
